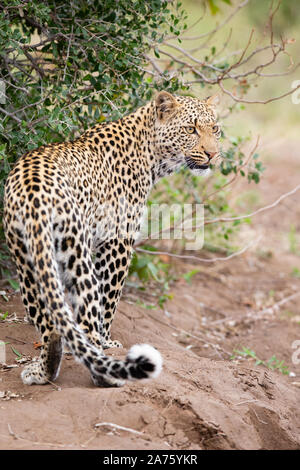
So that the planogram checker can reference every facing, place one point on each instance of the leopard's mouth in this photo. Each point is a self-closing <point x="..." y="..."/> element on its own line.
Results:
<point x="194" y="165"/>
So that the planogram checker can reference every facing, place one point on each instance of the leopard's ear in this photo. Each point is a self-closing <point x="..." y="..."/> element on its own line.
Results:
<point x="213" y="100"/>
<point x="166" y="105"/>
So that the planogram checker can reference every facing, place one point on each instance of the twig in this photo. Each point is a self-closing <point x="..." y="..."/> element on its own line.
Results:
<point x="57" y="387"/>
<point x="242" y="100"/>
<point x="220" y="26"/>
<point x="180" y="330"/>
<point x="197" y="258"/>
<point x="15" y="436"/>
<point x="68" y="53"/>
<point x="278" y="304"/>
<point x="245" y="401"/>
<point x="258" y="211"/>
<point x="258" y="419"/>
<point x="117" y="426"/>
<point x="11" y="115"/>
<point x="18" y="340"/>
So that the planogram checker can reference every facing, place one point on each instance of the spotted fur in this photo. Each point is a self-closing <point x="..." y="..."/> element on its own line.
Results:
<point x="72" y="213"/>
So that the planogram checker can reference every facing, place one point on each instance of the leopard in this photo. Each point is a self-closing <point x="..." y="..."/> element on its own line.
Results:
<point x="72" y="212"/>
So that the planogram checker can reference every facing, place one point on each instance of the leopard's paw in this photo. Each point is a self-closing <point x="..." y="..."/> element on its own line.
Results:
<point x="33" y="374"/>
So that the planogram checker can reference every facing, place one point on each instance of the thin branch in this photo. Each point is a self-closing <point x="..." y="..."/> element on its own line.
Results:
<point x="277" y="305"/>
<point x="236" y="64"/>
<point x="221" y="25"/>
<point x="216" y="347"/>
<point x="192" y="25"/>
<point x="197" y="258"/>
<point x="258" y="211"/>
<point x="11" y="115"/>
<point x="50" y="444"/>
<point x="33" y="61"/>
<point x="242" y="100"/>
<point x="68" y="53"/>
<point x="117" y="426"/>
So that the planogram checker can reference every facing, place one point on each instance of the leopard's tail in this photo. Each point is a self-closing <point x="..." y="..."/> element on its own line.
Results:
<point x="142" y="362"/>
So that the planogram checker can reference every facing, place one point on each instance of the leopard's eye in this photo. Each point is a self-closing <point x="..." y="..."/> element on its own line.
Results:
<point x="190" y="129"/>
<point x="215" y="129"/>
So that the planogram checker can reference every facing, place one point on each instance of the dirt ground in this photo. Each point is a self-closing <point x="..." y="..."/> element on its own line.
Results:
<point x="204" y="397"/>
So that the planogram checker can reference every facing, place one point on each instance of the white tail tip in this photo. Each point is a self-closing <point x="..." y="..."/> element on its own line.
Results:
<point x="147" y="354"/>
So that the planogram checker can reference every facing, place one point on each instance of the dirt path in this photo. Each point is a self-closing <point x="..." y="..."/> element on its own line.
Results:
<point x="204" y="399"/>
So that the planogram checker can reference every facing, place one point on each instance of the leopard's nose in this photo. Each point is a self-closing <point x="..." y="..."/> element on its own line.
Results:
<point x="210" y="155"/>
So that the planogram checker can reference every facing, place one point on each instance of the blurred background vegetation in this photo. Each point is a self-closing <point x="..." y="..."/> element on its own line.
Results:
<point x="254" y="15"/>
<point x="67" y="66"/>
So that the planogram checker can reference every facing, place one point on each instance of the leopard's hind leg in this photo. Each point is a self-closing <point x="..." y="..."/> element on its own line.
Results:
<point x="112" y="260"/>
<point x="46" y="368"/>
<point x="79" y="278"/>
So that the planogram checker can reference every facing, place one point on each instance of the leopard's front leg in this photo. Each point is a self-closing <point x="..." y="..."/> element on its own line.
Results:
<point x="112" y="262"/>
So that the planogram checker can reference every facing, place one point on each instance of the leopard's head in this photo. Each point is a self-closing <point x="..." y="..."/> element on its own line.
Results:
<point x="187" y="133"/>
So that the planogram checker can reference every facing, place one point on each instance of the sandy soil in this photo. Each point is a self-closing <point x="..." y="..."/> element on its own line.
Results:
<point x="203" y="399"/>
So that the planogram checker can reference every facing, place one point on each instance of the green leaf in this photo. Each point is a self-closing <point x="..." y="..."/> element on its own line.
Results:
<point x="14" y="284"/>
<point x="19" y="355"/>
<point x="188" y="276"/>
<point x="214" y="9"/>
